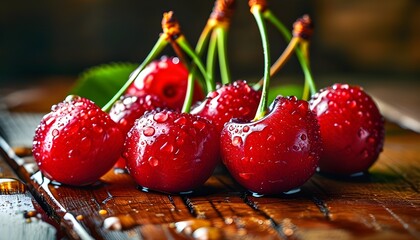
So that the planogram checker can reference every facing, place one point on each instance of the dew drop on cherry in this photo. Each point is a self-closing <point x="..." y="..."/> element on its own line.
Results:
<point x="199" y="125"/>
<point x="153" y="161"/>
<point x="55" y="132"/>
<point x="236" y="141"/>
<point x="245" y="176"/>
<point x="97" y="129"/>
<point x="167" y="147"/>
<point x="271" y="138"/>
<point x="181" y="121"/>
<point x="160" y="117"/>
<point x="148" y="131"/>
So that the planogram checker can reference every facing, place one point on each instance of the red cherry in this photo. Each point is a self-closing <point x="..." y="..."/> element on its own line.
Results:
<point x="167" y="79"/>
<point x="128" y="109"/>
<point x="169" y="151"/>
<point x="277" y="153"/>
<point x="236" y="100"/>
<point x="352" y="129"/>
<point x="76" y="143"/>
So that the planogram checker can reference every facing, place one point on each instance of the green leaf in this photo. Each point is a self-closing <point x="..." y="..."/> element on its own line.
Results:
<point x="284" y="90"/>
<point x="102" y="82"/>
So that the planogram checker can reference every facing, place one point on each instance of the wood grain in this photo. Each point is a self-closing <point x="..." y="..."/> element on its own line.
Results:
<point x="383" y="204"/>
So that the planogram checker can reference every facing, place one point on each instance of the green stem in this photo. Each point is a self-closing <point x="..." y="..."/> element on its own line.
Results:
<point x="278" y="24"/>
<point x="186" y="107"/>
<point x="199" y="48"/>
<point x="303" y="62"/>
<point x="222" y="32"/>
<point x="211" y="54"/>
<point x="305" y="51"/>
<point x="308" y="75"/>
<point x="188" y="50"/>
<point x="284" y="57"/>
<point x="201" y="43"/>
<point x="156" y="50"/>
<point x="203" y="39"/>
<point x="263" y="105"/>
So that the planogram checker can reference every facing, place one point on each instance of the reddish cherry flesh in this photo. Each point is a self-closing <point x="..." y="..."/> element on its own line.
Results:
<point x="76" y="143"/>
<point x="171" y="152"/>
<point x="236" y="100"/>
<point x="166" y="78"/>
<point x="277" y="153"/>
<point x="352" y="129"/>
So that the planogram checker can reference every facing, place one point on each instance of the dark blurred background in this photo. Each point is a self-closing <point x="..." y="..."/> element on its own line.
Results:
<point x="63" y="38"/>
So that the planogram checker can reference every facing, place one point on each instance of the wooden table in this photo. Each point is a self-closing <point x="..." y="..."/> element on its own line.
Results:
<point x="384" y="204"/>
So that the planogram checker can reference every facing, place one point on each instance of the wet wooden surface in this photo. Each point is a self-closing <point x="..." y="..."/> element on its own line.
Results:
<point x="384" y="204"/>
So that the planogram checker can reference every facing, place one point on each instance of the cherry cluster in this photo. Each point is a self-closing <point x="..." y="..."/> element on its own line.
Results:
<point x="172" y="123"/>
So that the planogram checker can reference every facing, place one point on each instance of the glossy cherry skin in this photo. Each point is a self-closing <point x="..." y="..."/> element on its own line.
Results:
<point x="352" y="129"/>
<point x="76" y="143"/>
<point x="171" y="152"/>
<point x="128" y="109"/>
<point x="166" y="78"/>
<point x="277" y="153"/>
<point x="235" y="100"/>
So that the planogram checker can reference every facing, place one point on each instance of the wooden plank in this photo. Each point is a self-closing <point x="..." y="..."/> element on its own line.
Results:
<point x="382" y="205"/>
<point x="20" y="217"/>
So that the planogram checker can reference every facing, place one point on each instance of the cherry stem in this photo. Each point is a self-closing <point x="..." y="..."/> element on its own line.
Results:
<point x="302" y="53"/>
<point x="183" y="43"/>
<point x="278" y="24"/>
<point x="186" y="107"/>
<point x="309" y="81"/>
<point x="161" y="43"/>
<point x="263" y="105"/>
<point x="305" y="50"/>
<point x="211" y="54"/>
<point x="221" y="32"/>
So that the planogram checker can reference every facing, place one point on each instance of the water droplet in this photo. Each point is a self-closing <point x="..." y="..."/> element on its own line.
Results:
<point x="73" y="153"/>
<point x="167" y="147"/>
<point x="103" y="212"/>
<point x="180" y="140"/>
<point x="97" y="129"/>
<point x="112" y="223"/>
<point x="237" y="141"/>
<point x="207" y="233"/>
<point x="362" y="133"/>
<point x="257" y="195"/>
<point x="85" y="144"/>
<point x="153" y="161"/>
<point x="245" y="129"/>
<point x="245" y="159"/>
<point x="148" y="131"/>
<point x="244" y="110"/>
<point x="181" y="121"/>
<point x="245" y="176"/>
<point x="292" y="191"/>
<point x="303" y="137"/>
<point x="160" y="117"/>
<point x="199" y="125"/>
<point x="9" y="186"/>
<point x="271" y="138"/>
<point x="55" y="132"/>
